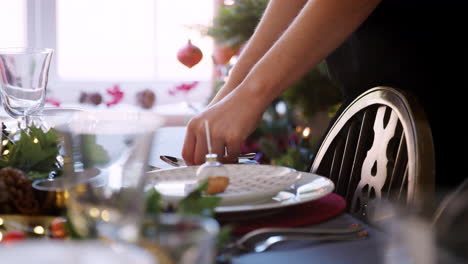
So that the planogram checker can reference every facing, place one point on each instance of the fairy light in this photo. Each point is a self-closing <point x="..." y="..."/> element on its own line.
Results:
<point x="39" y="230"/>
<point x="105" y="215"/>
<point x="35" y="140"/>
<point x="1" y="221"/>
<point x="94" y="212"/>
<point x="229" y="2"/>
<point x="5" y="142"/>
<point x="1" y="236"/>
<point x="306" y="132"/>
<point x="298" y="129"/>
<point x="5" y="152"/>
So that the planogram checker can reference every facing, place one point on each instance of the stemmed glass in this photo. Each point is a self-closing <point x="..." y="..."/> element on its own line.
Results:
<point x="106" y="155"/>
<point x="23" y="81"/>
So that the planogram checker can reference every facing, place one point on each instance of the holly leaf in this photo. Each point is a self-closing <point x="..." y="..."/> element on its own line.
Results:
<point x="153" y="202"/>
<point x="195" y="203"/>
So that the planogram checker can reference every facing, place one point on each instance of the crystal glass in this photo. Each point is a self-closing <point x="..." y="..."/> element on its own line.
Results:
<point x="451" y="227"/>
<point x="23" y="76"/>
<point x="105" y="159"/>
<point x="177" y="239"/>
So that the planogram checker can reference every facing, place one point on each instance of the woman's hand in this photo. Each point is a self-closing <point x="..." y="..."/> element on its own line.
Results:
<point x="231" y="121"/>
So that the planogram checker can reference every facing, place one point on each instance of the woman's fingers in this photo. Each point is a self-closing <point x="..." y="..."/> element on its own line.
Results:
<point x="228" y="129"/>
<point x="233" y="151"/>
<point x="201" y="147"/>
<point x="188" y="150"/>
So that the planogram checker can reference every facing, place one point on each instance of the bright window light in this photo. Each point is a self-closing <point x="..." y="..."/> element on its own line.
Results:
<point x="12" y="23"/>
<point x="176" y="22"/>
<point x="127" y="40"/>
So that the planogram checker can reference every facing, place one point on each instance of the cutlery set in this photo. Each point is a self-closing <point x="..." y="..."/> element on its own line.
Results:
<point x="177" y="162"/>
<point x="263" y="239"/>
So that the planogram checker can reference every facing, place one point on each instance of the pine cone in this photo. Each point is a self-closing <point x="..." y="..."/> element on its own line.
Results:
<point x="19" y="191"/>
<point x="146" y="98"/>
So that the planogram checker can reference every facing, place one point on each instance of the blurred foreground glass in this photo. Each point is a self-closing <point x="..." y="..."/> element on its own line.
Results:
<point x="24" y="75"/>
<point x="73" y="252"/>
<point x="176" y="239"/>
<point x="452" y="227"/>
<point x="105" y="158"/>
<point x="409" y="237"/>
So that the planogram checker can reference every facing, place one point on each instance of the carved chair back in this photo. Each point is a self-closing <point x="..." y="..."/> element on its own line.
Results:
<point x="380" y="147"/>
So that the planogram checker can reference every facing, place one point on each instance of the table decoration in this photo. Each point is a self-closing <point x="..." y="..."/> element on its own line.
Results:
<point x="23" y="159"/>
<point x="15" y="228"/>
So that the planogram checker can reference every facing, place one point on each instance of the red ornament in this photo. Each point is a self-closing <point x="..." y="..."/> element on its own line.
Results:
<point x="58" y="229"/>
<point x="222" y="54"/>
<point x="189" y="55"/>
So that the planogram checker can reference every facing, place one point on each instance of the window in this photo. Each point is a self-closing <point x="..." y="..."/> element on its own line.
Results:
<point x="12" y="23"/>
<point x="106" y="42"/>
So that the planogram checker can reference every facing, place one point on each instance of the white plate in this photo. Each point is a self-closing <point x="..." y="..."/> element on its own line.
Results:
<point x="248" y="183"/>
<point x="310" y="187"/>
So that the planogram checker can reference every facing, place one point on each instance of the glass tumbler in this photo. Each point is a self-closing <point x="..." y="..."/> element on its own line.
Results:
<point x="105" y="159"/>
<point x="178" y="239"/>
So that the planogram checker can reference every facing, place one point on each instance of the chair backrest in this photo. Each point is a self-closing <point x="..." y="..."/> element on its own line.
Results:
<point x="380" y="147"/>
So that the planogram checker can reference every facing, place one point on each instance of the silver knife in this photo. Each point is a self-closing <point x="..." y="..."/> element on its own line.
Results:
<point x="177" y="162"/>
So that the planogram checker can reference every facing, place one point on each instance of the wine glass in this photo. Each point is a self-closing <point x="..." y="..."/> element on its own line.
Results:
<point x="105" y="159"/>
<point x="23" y="81"/>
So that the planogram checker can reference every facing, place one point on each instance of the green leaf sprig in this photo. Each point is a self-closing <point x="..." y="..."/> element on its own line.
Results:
<point x="34" y="152"/>
<point x="195" y="203"/>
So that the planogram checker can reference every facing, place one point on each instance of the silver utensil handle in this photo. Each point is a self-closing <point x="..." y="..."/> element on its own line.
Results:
<point x="266" y="244"/>
<point x="304" y="231"/>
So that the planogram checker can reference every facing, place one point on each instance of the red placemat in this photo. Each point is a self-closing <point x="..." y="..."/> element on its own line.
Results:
<point x="309" y="213"/>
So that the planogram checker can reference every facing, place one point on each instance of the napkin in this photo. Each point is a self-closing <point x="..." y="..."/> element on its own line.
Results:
<point x="309" y="213"/>
<point x="73" y="252"/>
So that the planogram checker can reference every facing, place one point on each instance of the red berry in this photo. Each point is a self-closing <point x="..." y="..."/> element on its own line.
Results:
<point x="12" y="237"/>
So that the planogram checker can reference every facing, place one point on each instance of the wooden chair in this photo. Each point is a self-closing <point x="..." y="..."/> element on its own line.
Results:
<point x="380" y="147"/>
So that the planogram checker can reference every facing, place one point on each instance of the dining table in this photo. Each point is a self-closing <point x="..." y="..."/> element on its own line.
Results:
<point x="375" y="248"/>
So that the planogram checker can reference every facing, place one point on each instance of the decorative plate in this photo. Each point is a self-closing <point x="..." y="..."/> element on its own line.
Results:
<point x="248" y="183"/>
<point x="310" y="187"/>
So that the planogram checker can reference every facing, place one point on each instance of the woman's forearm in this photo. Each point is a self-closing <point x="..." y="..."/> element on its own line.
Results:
<point x="277" y="17"/>
<point x="319" y="28"/>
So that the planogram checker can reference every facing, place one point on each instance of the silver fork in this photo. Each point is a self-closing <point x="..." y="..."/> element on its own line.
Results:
<point x="248" y="241"/>
<point x="273" y="240"/>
